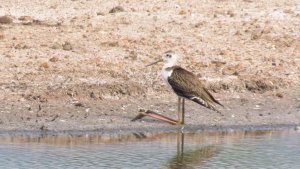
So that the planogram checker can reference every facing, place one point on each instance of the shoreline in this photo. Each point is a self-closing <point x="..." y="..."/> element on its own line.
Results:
<point x="141" y="131"/>
<point x="243" y="111"/>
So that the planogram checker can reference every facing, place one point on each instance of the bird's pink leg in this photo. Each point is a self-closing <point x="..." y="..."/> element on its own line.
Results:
<point x="155" y="116"/>
<point x="179" y="109"/>
<point x="182" y="111"/>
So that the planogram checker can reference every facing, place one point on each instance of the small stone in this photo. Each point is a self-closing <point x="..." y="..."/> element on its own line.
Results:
<point x="297" y="128"/>
<point x="67" y="46"/>
<point x="230" y="13"/>
<point x="43" y="127"/>
<point x="133" y="55"/>
<point x="280" y="95"/>
<point x="44" y="65"/>
<point x="237" y="33"/>
<point x="92" y="95"/>
<point x="21" y="46"/>
<point x="218" y="63"/>
<point x="260" y="114"/>
<point x="100" y="13"/>
<point x="78" y="104"/>
<point x="25" y="18"/>
<point x="53" y="59"/>
<point x="256" y="34"/>
<point x="54" y="118"/>
<point x="267" y="29"/>
<point x="56" y="46"/>
<point x="244" y="100"/>
<point x="182" y="12"/>
<point x="117" y="9"/>
<point x="6" y="19"/>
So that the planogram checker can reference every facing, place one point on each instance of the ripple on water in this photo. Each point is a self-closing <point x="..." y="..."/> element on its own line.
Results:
<point x="202" y="150"/>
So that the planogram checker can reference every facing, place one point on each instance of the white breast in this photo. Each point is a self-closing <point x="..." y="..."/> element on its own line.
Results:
<point x="165" y="74"/>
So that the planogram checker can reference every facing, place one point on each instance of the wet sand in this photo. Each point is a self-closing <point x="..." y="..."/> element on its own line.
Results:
<point x="242" y="112"/>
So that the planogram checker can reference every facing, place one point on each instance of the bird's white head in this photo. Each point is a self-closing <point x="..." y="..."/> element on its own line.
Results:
<point x="169" y="58"/>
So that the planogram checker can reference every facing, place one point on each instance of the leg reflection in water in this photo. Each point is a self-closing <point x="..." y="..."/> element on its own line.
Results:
<point x="190" y="158"/>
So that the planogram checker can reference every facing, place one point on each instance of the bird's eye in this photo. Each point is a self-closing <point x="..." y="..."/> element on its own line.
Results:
<point x="169" y="56"/>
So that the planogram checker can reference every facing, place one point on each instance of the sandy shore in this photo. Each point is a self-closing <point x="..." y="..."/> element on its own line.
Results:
<point x="79" y="65"/>
<point x="247" y="111"/>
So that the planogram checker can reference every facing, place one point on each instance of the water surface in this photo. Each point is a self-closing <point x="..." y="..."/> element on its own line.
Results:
<point x="261" y="149"/>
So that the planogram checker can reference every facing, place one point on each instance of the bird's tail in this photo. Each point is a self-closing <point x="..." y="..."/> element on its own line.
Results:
<point x="205" y="104"/>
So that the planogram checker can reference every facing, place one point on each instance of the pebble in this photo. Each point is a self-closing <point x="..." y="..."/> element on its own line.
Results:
<point x="67" y="46"/>
<point x="56" y="46"/>
<point x="117" y="9"/>
<point x="6" y="19"/>
<point x="53" y="59"/>
<point x="44" y="65"/>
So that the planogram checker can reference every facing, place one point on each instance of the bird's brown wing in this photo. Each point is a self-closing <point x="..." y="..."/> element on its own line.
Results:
<point x="186" y="84"/>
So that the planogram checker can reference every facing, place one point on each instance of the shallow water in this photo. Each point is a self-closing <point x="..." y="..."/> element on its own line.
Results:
<point x="261" y="149"/>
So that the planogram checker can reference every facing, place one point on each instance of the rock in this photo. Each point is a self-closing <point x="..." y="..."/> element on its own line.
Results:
<point x="67" y="46"/>
<point x="44" y="65"/>
<point x="244" y="100"/>
<point x="256" y="34"/>
<point x="43" y="127"/>
<point x="53" y="59"/>
<point x="117" y="9"/>
<point x="218" y="63"/>
<point x="54" y="118"/>
<point x="21" y="46"/>
<point x="6" y="19"/>
<point x="260" y="85"/>
<point x="78" y="104"/>
<point x="267" y="29"/>
<point x="26" y="20"/>
<point x="56" y="46"/>
<point x="133" y="55"/>
<point x="92" y="95"/>
<point x="182" y="12"/>
<point x="280" y="95"/>
<point x="100" y="13"/>
<point x="230" y="13"/>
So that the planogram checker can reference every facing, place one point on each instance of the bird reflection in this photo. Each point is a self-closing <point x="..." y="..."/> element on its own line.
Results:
<point x="190" y="158"/>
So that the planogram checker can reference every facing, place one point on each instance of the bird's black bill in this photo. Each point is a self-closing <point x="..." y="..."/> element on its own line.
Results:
<point x="160" y="60"/>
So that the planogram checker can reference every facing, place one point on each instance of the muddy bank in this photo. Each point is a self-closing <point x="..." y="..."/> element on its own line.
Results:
<point x="242" y="111"/>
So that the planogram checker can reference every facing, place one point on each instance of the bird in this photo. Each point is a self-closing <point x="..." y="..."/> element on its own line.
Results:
<point x="185" y="85"/>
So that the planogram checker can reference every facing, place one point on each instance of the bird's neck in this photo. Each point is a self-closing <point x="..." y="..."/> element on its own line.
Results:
<point x="168" y="65"/>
